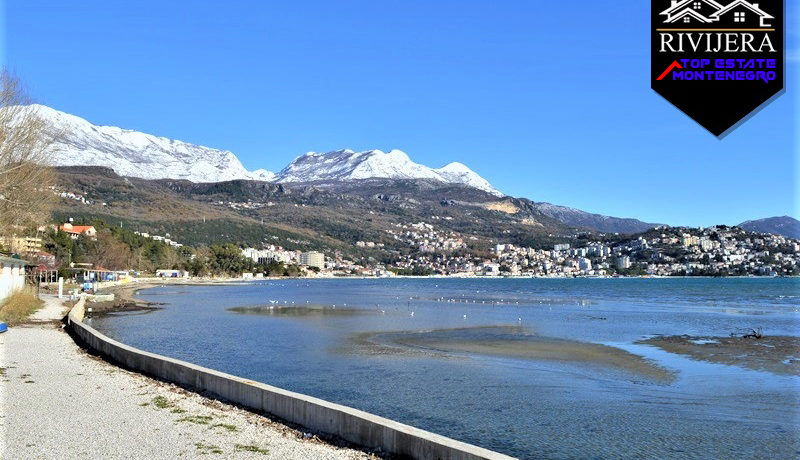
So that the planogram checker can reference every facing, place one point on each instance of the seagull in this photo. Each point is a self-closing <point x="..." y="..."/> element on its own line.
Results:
<point x="465" y="316"/>
<point x="412" y="313"/>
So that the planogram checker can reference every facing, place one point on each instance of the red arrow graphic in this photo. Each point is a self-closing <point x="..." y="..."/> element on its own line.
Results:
<point x="669" y="69"/>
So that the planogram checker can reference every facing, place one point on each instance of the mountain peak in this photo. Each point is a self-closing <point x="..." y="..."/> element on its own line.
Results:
<point x="135" y="154"/>
<point x="345" y="165"/>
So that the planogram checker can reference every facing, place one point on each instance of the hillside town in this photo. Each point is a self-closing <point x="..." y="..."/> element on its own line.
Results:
<point x="420" y="249"/>
<point x="663" y="251"/>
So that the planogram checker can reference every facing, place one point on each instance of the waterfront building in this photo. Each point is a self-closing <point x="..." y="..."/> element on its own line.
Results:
<point x="313" y="259"/>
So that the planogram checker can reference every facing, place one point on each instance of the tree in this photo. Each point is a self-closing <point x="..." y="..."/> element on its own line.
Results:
<point x="25" y="179"/>
<point x="196" y="266"/>
<point x="228" y="259"/>
<point x="105" y="251"/>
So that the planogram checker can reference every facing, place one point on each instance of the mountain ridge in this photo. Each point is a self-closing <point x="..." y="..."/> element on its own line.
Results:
<point x="778" y="225"/>
<point x="79" y="142"/>
<point x="347" y="165"/>
<point x="134" y="154"/>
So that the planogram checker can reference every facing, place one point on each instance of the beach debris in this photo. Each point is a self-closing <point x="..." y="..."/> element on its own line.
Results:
<point x="754" y="334"/>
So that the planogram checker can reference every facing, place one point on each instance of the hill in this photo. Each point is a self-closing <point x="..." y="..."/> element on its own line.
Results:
<point x="783" y="225"/>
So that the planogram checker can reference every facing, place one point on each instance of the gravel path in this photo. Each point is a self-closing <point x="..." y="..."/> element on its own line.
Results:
<point x="59" y="402"/>
<point x="53" y="309"/>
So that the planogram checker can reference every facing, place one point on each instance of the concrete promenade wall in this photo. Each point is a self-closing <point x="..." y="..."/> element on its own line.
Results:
<point x="353" y="425"/>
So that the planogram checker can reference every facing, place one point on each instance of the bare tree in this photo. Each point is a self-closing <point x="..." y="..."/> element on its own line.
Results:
<point x="25" y="178"/>
<point x="107" y="252"/>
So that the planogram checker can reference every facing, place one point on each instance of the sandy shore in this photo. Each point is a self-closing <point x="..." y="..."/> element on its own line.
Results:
<point x="59" y="402"/>
<point x="509" y="342"/>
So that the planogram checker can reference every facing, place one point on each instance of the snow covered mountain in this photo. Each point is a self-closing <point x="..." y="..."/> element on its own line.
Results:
<point x="135" y="154"/>
<point x="346" y="165"/>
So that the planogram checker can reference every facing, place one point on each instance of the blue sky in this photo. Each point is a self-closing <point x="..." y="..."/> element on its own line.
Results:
<point x="544" y="101"/>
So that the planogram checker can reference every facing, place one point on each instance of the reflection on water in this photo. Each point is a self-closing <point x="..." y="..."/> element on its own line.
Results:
<point x="532" y="368"/>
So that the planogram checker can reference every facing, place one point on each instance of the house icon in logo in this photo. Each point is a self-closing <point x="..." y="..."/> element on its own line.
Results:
<point x="738" y="13"/>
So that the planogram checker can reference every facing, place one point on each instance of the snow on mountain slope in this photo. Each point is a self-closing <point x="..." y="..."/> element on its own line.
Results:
<point x="344" y="165"/>
<point x="135" y="154"/>
<point x="459" y="173"/>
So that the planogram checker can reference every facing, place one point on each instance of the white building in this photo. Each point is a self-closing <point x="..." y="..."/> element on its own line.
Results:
<point x="584" y="264"/>
<point x="12" y="276"/>
<point x="265" y="256"/>
<point x="313" y="259"/>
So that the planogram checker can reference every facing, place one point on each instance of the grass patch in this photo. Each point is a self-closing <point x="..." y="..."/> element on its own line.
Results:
<point x="208" y="448"/>
<point x="19" y="306"/>
<point x="144" y="404"/>
<point x="198" y="419"/>
<point x="227" y="426"/>
<point x="178" y="410"/>
<point x="251" y="448"/>
<point x="162" y="402"/>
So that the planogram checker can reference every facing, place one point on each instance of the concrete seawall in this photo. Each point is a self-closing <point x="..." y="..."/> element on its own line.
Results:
<point x="350" y="424"/>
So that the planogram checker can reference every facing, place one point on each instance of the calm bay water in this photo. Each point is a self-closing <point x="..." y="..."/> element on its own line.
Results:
<point x="530" y="408"/>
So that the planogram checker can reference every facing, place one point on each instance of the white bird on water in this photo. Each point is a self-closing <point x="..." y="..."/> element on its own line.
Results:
<point x="465" y="316"/>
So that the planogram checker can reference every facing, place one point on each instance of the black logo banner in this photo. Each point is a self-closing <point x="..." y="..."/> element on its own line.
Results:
<point x="717" y="60"/>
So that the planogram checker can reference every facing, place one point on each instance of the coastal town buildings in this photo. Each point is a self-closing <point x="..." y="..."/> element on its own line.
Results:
<point x="74" y="231"/>
<point x="22" y="244"/>
<point x="312" y="259"/>
<point x="665" y="251"/>
<point x="270" y="254"/>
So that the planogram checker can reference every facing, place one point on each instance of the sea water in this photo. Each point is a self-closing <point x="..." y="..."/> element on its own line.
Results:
<point x="357" y="342"/>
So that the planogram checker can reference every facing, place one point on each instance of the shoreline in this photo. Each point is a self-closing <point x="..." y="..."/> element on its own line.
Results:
<point x="329" y="420"/>
<point x="48" y="382"/>
<point x="132" y="288"/>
